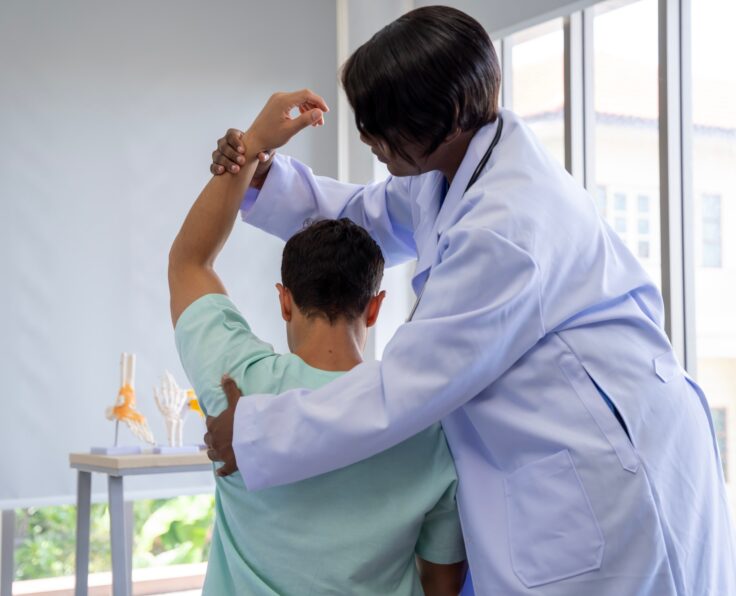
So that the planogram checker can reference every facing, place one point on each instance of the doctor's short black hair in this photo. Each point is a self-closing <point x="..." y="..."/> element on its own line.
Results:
<point x="332" y="268"/>
<point x="421" y="77"/>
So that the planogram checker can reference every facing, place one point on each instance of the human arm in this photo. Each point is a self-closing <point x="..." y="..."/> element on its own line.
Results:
<point x="480" y="312"/>
<point x="292" y="195"/>
<point x="441" y="580"/>
<point x="211" y="218"/>
<point x="285" y="193"/>
<point x="202" y="236"/>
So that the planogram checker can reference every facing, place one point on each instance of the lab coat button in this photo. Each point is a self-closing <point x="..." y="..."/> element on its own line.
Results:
<point x="666" y="366"/>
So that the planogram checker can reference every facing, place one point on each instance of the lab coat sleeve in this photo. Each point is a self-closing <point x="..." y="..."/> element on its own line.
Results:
<point x="293" y="196"/>
<point x="480" y="312"/>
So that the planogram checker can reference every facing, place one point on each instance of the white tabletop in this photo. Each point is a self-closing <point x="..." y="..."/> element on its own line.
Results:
<point x="140" y="463"/>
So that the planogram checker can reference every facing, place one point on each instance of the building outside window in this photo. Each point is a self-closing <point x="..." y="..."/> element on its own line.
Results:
<point x="538" y="83"/>
<point x="620" y="225"/>
<point x="714" y="211"/>
<point x="601" y="200"/>
<point x="711" y="230"/>
<point x="721" y="428"/>
<point x="626" y="129"/>
<point x="620" y="201"/>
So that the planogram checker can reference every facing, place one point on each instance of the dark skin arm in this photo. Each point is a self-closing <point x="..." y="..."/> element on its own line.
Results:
<point x="219" y="436"/>
<point x="442" y="580"/>
<point x="210" y="220"/>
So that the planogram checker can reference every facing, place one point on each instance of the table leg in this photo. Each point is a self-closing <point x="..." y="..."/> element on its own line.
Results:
<point x="118" y="548"/>
<point x="129" y="522"/>
<point x="7" y="548"/>
<point x="84" y="497"/>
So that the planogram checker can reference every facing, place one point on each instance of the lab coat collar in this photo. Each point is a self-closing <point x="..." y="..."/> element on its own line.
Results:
<point x="474" y="153"/>
<point x="428" y="240"/>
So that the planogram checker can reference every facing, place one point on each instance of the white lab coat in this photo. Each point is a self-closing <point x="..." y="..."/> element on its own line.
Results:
<point x="531" y="308"/>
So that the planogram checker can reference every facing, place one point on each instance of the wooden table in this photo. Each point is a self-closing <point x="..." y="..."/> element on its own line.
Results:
<point x="117" y="467"/>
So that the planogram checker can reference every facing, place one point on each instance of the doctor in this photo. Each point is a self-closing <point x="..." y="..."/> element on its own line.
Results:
<point x="586" y="456"/>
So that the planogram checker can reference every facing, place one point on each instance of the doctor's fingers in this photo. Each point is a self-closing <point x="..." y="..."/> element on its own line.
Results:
<point x="229" y="466"/>
<point x="229" y="153"/>
<point x="232" y="391"/>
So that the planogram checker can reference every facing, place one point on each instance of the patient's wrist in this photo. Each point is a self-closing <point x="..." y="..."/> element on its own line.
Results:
<point x="252" y="146"/>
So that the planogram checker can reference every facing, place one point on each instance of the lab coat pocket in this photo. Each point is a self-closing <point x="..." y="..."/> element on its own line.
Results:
<point x="553" y="532"/>
<point x="587" y="391"/>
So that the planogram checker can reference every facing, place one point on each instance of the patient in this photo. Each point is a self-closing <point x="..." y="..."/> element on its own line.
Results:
<point x="384" y="526"/>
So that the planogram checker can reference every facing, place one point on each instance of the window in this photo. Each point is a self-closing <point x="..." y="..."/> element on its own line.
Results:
<point x="600" y="197"/>
<point x="620" y="201"/>
<point x="626" y="128"/>
<point x="399" y="294"/>
<point x="719" y="423"/>
<point x="711" y="230"/>
<point x="643" y="226"/>
<point x="538" y="82"/>
<point x="714" y="195"/>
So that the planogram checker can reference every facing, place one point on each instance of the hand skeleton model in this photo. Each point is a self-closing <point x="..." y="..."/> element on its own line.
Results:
<point x="124" y="409"/>
<point x="174" y="403"/>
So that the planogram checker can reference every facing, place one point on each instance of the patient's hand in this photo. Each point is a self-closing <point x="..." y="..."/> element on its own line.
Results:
<point x="272" y="128"/>
<point x="219" y="437"/>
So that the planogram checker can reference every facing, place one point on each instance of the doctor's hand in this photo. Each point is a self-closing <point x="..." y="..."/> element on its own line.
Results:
<point x="272" y="128"/>
<point x="219" y="437"/>
<point x="230" y="155"/>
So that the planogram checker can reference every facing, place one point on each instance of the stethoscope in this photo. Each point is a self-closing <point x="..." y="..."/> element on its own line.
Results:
<point x="476" y="174"/>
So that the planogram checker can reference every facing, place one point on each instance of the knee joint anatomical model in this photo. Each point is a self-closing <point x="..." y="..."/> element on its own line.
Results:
<point x="124" y="409"/>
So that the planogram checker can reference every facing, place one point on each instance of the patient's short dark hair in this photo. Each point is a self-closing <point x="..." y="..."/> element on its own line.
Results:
<point x="422" y="76"/>
<point x="332" y="268"/>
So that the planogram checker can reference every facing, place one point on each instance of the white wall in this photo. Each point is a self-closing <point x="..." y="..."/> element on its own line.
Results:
<point x="503" y="17"/>
<point x="109" y="112"/>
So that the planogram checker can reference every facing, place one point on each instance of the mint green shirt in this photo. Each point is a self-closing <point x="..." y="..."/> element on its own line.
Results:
<point x="353" y="531"/>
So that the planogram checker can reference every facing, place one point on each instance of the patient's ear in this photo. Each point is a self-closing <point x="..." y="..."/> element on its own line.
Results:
<point x="285" y="301"/>
<point x="373" y="308"/>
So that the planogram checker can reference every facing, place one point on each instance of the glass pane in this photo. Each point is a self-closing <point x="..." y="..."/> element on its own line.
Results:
<point x="626" y="126"/>
<point x="714" y="213"/>
<point x="399" y="294"/>
<point x="538" y="82"/>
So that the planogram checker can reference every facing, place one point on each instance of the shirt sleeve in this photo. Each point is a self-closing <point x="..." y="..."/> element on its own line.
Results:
<point x="479" y="313"/>
<point x="441" y="539"/>
<point x="292" y="196"/>
<point x="213" y="339"/>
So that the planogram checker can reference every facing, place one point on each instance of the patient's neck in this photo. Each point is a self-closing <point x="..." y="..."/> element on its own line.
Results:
<point x="335" y="347"/>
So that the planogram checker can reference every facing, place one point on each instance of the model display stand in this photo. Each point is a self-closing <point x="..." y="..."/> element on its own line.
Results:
<point x="125" y="411"/>
<point x="174" y="404"/>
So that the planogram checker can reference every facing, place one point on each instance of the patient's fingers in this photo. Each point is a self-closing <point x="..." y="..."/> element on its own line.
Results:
<point x="306" y="96"/>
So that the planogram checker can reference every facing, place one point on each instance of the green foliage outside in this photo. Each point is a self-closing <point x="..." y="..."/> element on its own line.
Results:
<point x="166" y="532"/>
